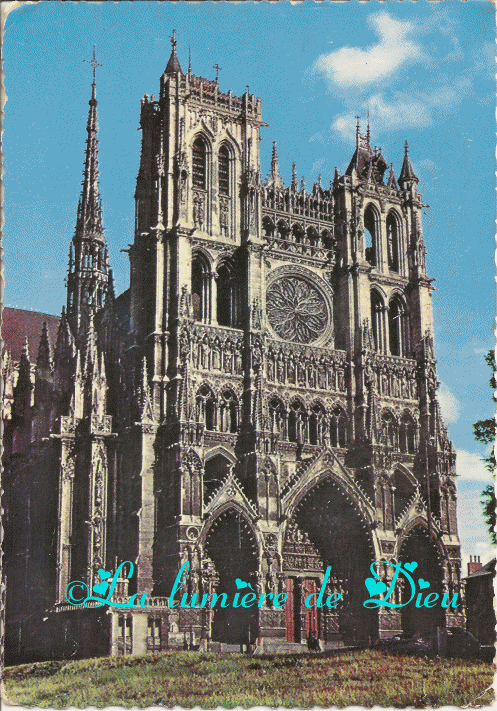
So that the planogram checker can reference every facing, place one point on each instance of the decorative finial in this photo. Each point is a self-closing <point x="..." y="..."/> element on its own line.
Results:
<point x="406" y="149"/>
<point x="368" y="133"/>
<point x="173" y="41"/>
<point x="357" y="131"/>
<point x="217" y="68"/>
<point x="94" y="64"/>
<point x="248" y="90"/>
<point x="189" y="60"/>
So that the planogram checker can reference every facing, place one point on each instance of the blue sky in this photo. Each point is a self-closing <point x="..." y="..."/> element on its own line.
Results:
<point x="424" y="72"/>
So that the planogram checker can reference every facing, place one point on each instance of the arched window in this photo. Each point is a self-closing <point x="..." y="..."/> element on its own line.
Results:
<point x="389" y="429"/>
<point x="398" y="327"/>
<point x="283" y="229"/>
<point x="393" y="246"/>
<point x="296" y="423"/>
<point x="228" y="296"/>
<point x="312" y="236"/>
<point x="277" y="416"/>
<point x="407" y="435"/>
<point x="338" y="428"/>
<point x="267" y="226"/>
<point x="199" y="161"/>
<point x="206" y="407"/>
<point x="378" y="321"/>
<point x="229" y="412"/>
<point x="316" y="424"/>
<point x="201" y="288"/>
<point x="224" y="170"/>
<point x="298" y="233"/>
<point x="371" y="236"/>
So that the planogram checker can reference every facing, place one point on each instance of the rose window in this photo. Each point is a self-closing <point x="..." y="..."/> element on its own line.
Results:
<point x="296" y="310"/>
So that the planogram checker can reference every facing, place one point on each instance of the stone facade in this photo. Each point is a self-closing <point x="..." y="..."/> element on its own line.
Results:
<point x="260" y="402"/>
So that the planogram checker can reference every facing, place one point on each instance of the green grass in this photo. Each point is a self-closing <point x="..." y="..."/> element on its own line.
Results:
<point x="187" y="679"/>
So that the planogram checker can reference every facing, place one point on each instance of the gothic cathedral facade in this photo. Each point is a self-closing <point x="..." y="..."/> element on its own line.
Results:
<point x="261" y="402"/>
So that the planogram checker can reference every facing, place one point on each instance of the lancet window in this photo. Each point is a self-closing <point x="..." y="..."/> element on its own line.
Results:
<point x="398" y="326"/>
<point x="393" y="243"/>
<point x="338" y="428"/>
<point x="201" y="288"/>
<point x="378" y="321"/>
<point x="372" y="236"/>
<point x="389" y="428"/>
<point x="317" y="424"/>
<point x="407" y="435"/>
<point x="206" y="408"/>
<point x="228" y="295"/>
<point x="277" y="417"/>
<point x="296" y="423"/>
<point x="224" y="170"/>
<point x="229" y="412"/>
<point x="199" y="164"/>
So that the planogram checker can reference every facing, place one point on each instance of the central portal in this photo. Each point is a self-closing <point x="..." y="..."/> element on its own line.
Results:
<point x="328" y="530"/>
<point x="232" y="547"/>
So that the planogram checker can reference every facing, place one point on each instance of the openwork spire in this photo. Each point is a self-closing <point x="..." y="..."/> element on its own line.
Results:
<point x="89" y="222"/>
<point x="88" y="276"/>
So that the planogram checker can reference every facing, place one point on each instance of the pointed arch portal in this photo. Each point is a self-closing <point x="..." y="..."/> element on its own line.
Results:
<point x="418" y="547"/>
<point x="328" y="521"/>
<point x="232" y="547"/>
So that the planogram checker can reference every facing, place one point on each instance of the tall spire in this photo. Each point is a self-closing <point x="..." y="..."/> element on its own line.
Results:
<point x="89" y="223"/>
<point x="88" y="262"/>
<point x="407" y="173"/>
<point x="173" y="65"/>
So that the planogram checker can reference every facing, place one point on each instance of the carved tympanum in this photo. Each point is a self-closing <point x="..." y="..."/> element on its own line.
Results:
<point x="296" y="310"/>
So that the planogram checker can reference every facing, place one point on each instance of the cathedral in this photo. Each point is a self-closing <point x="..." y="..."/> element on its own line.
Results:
<point x="260" y="402"/>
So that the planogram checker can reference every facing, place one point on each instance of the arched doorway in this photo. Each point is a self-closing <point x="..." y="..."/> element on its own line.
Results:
<point x="331" y="522"/>
<point x="232" y="547"/>
<point x="419" y="548"/>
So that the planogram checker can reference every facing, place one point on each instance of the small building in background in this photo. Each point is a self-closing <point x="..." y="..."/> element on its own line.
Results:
<point x="480" y="612"/>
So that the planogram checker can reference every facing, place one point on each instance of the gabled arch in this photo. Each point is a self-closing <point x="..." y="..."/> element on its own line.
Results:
<point x="222" y="451"/>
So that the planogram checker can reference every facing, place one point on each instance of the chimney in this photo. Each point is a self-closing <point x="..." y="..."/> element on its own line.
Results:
<point x="474" y="564"/>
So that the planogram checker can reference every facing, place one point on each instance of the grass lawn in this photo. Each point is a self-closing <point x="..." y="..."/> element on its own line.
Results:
<point x="187" y="679"/>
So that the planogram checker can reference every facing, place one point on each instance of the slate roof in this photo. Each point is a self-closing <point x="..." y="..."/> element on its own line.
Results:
<point x="19" y="323"/>
<point x="487" y="569"/>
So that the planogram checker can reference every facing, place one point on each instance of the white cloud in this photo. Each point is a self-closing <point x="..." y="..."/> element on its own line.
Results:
<point x="355" y="66"/>
<point x="448" y="404"/>
<point x="470" y="467"/>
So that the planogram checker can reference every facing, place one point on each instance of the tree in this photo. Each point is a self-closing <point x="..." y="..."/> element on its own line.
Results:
<point x="484" y="431"/>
